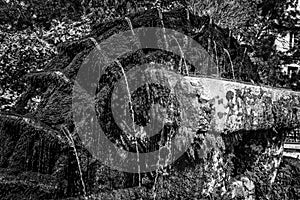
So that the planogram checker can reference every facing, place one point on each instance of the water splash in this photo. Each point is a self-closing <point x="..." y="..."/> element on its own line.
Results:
<point x="132" y="115"/>
<point x="230" y="62"/>
<point x="72" y="145"/>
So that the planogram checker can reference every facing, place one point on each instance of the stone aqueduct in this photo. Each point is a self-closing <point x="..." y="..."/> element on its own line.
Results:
<point x="223" y="117"/>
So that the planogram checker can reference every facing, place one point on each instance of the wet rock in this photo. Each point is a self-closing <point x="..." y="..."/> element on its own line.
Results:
<point x="229" y="129"/>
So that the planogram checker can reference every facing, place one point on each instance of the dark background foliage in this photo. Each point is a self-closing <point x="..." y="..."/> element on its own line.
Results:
<point x="33" y="32"/>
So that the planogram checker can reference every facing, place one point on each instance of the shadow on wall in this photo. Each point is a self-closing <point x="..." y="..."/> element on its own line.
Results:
<point x="248" y="147"/>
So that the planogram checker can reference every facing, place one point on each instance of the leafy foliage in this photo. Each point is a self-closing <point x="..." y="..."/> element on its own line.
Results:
<point x="42" y="26"/>
<point x="29" y="50"/>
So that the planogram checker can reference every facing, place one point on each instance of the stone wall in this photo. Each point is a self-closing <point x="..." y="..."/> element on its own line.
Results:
<point x="232" y="132"/>
<point x="237" y="132"/>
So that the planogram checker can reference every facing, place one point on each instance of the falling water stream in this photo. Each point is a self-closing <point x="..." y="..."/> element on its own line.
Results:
<point x="130" y="25"/>
<point x="182" y="57"/>
<point x="128" y="91"/>
<point x="230" y="62"/>
<point x="72" y="145"/>
<point x="96" y="44"/>
<point x="217" y="62"/>
<point x="132" y="115"/>
<point x="163" y="27"/>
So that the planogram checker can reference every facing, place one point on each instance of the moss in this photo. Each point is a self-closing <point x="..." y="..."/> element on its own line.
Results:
<point x="244" y="114"/>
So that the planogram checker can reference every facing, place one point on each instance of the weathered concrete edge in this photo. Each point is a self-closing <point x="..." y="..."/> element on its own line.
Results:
<point x="234" y="103"/>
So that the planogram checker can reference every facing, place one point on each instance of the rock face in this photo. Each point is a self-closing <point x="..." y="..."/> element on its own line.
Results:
<point x="232" y="133"/>
<point x="251" y="124"/>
